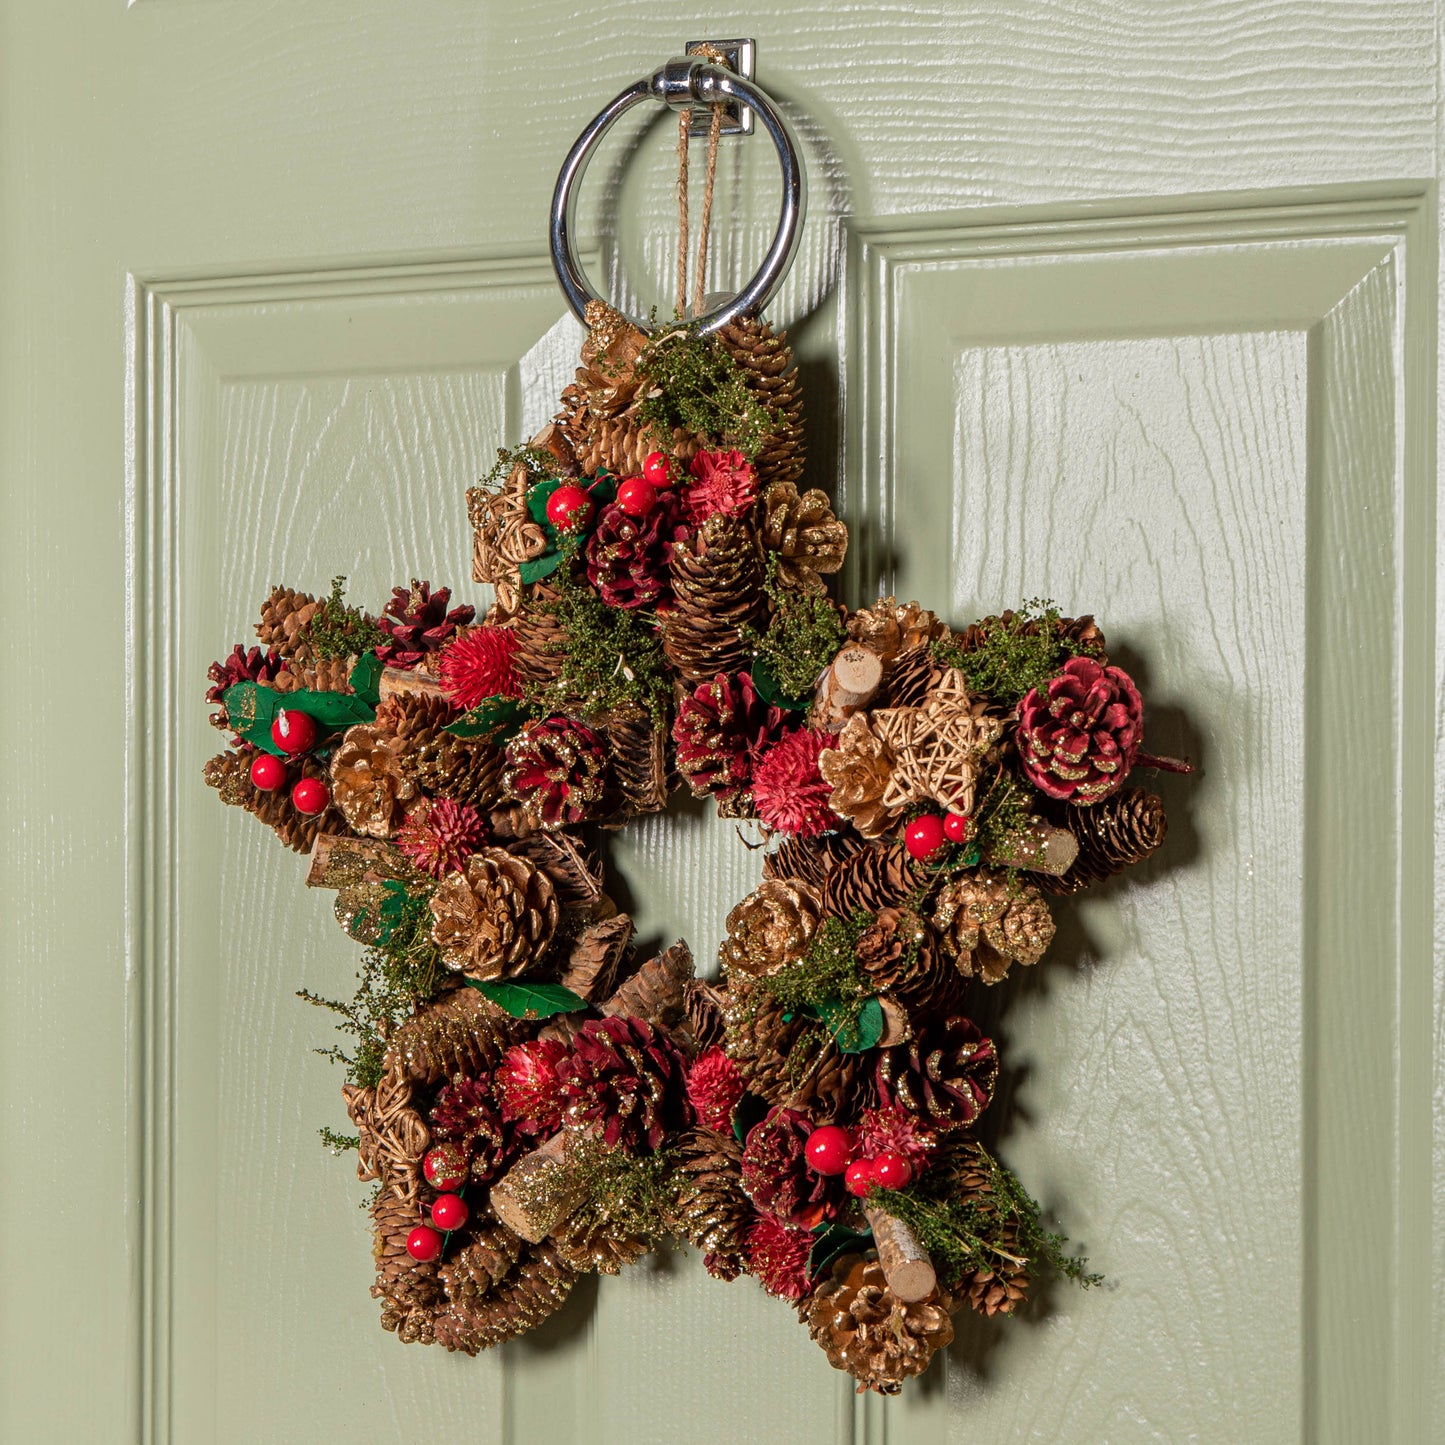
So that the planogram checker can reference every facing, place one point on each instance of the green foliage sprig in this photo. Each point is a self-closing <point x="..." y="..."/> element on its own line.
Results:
<point x="1015" y="653"/>
<point x="696" y="385"/>
<point x="828" y="972"/>
<point x="635" y="1191"/>
<point x="537" y="462"/>
<point x="339" y="631"/>
<point x="803" y="636"/>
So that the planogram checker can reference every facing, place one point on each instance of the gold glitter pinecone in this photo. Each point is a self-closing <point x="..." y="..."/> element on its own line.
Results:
<point x="285" y="615"/>
<point x="589" y="1239"/>
<point x="459" y="1033"/>
<point x="809" y="540"/>
<point x="717" y="583"/>
<point x="1113" y="835"/>
<point x="872" y="879"/>
<point x="810" y="860"/>
<point x="766" y="362"/>
<point x="710" y="1211"/>
<point x="496" y="919"/>
<point x="890" y="627"/>
<point x="895" y="948"/>
<point x="867" y="1331"/>
<point x="770" y="928"/>
<point x="534" y="1289"/>
<point x="988" y="921"/>
<point x="858" y="769"/>
<point x="466" y="770"/>
<point x="230" y="774"/>
<point x="480" y="1265"/>
<point x="369" y="783"/>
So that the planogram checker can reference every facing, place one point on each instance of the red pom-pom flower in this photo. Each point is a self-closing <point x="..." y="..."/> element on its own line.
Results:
<point x="724" y="484"/>
<point x="778" y="1256"/>
<point x="714" y="1086"/>
<point x="789" y="793"/>
<point x="440" y="835"/>
<point x="477" y="664"/>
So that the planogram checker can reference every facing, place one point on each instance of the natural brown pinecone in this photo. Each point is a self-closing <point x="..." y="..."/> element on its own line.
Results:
<point x="637" y="750"/>
<point x="618" y="444"/>
<point x="495" y="920"/>
<point x="890" y="627"/>
<point x="808" y="539"/>
<point x="285" y="614"/>
<point x="574" y="869"/>
<point x="717" y="585"/>
<point x="874" y="878"/>
<point x="710" y="1211"/>
<point x="400" y="1279"/>
<point x="541" y="637"/>
<point x="369" y="783"/>
<point x="858" y="769"/>
<point x="655" y="991"/>
<point x="909" y="678"/>
<point x="896" y="947"/>
<point x="766" y="362"/>
<point x="230" y="774"/>
<point x="320" y="674"/>
<point x="591" y="965"/>
<point x="770" y="928"/>
<point x="810" y="860"/>
<point x="866" y="1330"/>
<point x="458" y="1033"/>
<point x="988" y="921"/>
<point x="759" y="1040"/>
<point x="1113" y="835"/>
<point x="703" y="1008"/>
<point x="999" y="1287"/>
<point x="831" y="1087"/>
<point x="537" y="1287"/>
<point x="480" y="1264"/>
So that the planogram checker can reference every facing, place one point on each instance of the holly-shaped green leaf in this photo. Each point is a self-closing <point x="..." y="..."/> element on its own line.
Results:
<point x="855" y="1028"/>
<point x="252" y="709"/>
<point x="365" y="678"/>
<point x="530" y="1000"/>
<point x="832" y="1240"/>
<point x="491" y="717"/>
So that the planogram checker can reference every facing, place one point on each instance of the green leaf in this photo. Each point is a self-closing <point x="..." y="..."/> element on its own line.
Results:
<point x="530" y="1000"/>
<point x="769" y="690"/>
<point x="854" y="1029"/>
<point x="393" y="911"/>
<point x="539" y="567"/>
<point x="252" y="710"/>
<point x="832" y="1240"/>
<point x="365" y="677"/>
<point x="490" y="716"/>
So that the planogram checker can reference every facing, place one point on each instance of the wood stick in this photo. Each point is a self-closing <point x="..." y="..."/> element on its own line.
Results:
<point x="535" y="1195"/>
<point x="1039" y="847"/>
<point x="849" y="684"/>
<point x="409" y="682"/>
<point x="337" y="860"/>
<point x="905" y="1262"/>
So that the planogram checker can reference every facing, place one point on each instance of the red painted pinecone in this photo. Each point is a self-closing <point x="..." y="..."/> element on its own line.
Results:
<point x="417" y="622"/>
<point x="776" y="1175"/>
<point x="626" y="1082"/>
<point x="943" y="1076"/>
<point x="466" y="1114"/>
<point x="628" y="557"/>
<point x="556" y="769"/>
<point x="719" y="728"/>
<point x="1078" y="738"/>
<point x="240" y="666"/>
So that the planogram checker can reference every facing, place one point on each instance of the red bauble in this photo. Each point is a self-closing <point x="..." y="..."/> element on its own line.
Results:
<point x="424" y="1243"/>
<point x="268" y="772"/>
<point x="858" y="1178"/>
<point x="657" y="469"/>
<point x="569" y="509"/>
<point x="450" y="1212"/>
<point x="892" y="1171"/>
<point x="445" y="1167"/>
<point x="636" y="497"/>
<point x="310" y="796"/>
<point x="294" y="732"/>
<point x="924" y="836"/>
<point x="956" y="826"/>
<point x="828" y="1150"/>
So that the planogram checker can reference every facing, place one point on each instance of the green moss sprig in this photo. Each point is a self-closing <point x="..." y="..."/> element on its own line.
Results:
<point x="339" y="631"/>
<point x="696" y="385"/>
<point x="828" y="972"/>
<point x="634" y="1191"/>
<point x="803" y="636"/>
<point x="538" y="463"/>
<point x="1015" y="653"/>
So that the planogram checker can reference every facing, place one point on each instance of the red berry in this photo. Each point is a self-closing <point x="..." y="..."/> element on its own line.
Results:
<point x="424" y="1243"/>
<point x="569" y="508"/>
<point x="924" y="836"/>
<point x="955" y="825"/>
<point x="445" y="1167"/>
<point x="294" y="732"/>
<point x="828" y="1150"/>
<point x="636" y="497"/>
<point x="657" y="469"/>
<point x="892" y="1171"/>
<point x="449" y="1212"/>
<point x="310" y="796"/>
<point x="268" y="772"/>
<point x="858" y="1178"/>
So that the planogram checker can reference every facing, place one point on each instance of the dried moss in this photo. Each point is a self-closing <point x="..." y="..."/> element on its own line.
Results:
<point x="697" y="386"/>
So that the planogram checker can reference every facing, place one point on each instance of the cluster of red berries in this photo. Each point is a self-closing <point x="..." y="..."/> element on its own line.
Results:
<point x="445" y="1168"/>
<point x="295" y="733"/>
<point x="570" y="508"/>
<point x="830" y="1150"/>
<point x="929" y="833"/>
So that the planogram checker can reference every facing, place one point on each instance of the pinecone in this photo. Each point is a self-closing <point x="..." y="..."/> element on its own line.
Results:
<point x="873" y="878"/>
<point x="628" y="558"/>
<point x="1000" y="1288"/>
<point x="810" y="860"/>
<point x="418" y="623"/>
<point x="896" y="947"/>
<point x="760" y="1040"/>
<point x="711" y="1212"/>
<point x="655" y="992"/>
<point x="369" y="783"/>
<point x="321" y="674"/>
<point x="1113" y="835"/>
<point x="557" y="771"/>
<point x="717" y="585"/>
<point x="867" y="1331"/>
<point x="776" y="1174"/>
<point x="541" y="638"/>
<point x="703" y="1007"/>
<point x="590" y="1239"/>
<point x="285" y="615"/>
<point x="770" y="928"/>
<point x="617" y="444"/>
<point x="405" y="1285"/>
<point x="625" y="1082"/>
<point x="827" y="1085"/>
<point x="466" y="770"/>
<point x="535" y="1288"/>
<point x="592" y="964"/>
<point x="944" y="1075"/>
<point x="987" y="921"/>
<point x="496" y="919"/>
<point x="230" y="774"/>
<point x="575" y="871"/>
<point x="1079" y="736"/>
<point x="479" y="1265"/>
<point x="458" y="1033"/>
<point x="719" y="730"/>
<point x="909" y="678"/>
<point x="766" y="361"/>
<point x="809" y="540"/>
<point x="608" y="374"/>
<point x="891" y="628"/>
<point x="637" y="752"/>
<point x="859" y="768"/>
<point x="466" y="1114"/>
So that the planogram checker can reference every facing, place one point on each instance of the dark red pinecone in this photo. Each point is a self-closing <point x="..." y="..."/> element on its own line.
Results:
<point x="240" y="666"/>
<point x="943" y="1076"/>
<point x="775" y="1171"/>
<point x="557" y="771"/>
<point x="719" y="728"/>
<point x="628" y="557"/>
<point x="1078" y="738"/>
<point x="625" y="1081"/>
<point x="466" y="1114"/>
<point x="417" y="622"/>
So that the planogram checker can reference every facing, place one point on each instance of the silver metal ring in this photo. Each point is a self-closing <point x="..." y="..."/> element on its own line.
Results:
<point x="679" y="83"/>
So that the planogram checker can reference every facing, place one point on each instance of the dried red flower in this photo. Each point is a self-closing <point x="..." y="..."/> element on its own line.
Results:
<point x="789" y="793"/>
<point x="714" y="1086"/>
<point x="724" y="484"/>
<point x="891" y="1129"/>
<point x="440" y="835"/>
<point x="527" y="1083"/>
<point x="778" y="1256"/>
<point x="477" y="664"/>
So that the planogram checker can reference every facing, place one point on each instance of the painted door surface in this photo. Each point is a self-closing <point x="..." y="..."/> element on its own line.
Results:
<point x="1133" y="306"/>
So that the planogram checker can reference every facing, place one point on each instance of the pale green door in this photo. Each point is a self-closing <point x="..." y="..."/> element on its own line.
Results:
<point x="1130" y="305"/>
